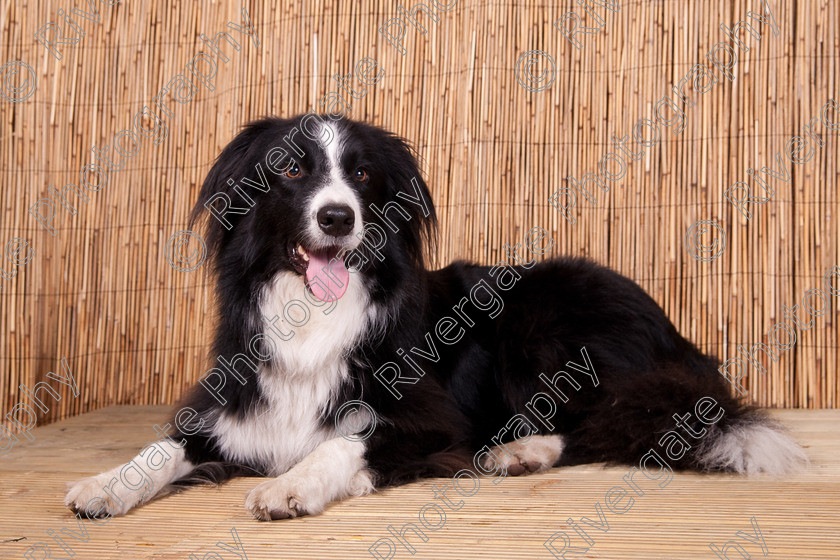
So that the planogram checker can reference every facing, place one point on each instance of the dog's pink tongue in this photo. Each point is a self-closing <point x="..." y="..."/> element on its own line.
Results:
<point x="335" y="281"/>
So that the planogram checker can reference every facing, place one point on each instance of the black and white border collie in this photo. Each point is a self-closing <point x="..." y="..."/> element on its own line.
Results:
<point x="317" y="230"/>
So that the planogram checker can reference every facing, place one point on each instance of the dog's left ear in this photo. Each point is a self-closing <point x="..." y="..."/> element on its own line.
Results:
<point x="407" y="188"/>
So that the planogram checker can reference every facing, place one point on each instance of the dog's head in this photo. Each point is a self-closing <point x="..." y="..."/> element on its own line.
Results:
<point x="320" y="197"/>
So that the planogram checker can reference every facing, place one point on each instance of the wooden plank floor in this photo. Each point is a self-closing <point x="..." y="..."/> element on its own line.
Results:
<point x="798" y="517"/>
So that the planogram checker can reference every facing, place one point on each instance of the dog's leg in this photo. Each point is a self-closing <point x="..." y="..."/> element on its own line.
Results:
<point x="536" y="454"/>
<point x="335" y="470"/>
<point x="117" y="491"/>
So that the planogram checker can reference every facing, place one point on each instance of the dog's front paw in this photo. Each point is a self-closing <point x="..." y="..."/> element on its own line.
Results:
<point x="288" y="495"/>
<point x="88" y="497"/>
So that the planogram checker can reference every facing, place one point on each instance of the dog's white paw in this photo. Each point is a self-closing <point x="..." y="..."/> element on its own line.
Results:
<point x="288" y="495"/>
<point x="294" y="494"/>
<point x="88" y="497"/>
<point x="537" y="454"/>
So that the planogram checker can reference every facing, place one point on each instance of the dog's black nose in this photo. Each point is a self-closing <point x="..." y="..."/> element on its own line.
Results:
<point x="336" y="220"/>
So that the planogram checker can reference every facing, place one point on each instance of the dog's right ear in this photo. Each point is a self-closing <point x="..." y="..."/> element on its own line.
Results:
<point x="221" y="205"/>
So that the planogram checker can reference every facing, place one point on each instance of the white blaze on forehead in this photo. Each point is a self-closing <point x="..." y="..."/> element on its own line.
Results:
<point x="334" y="191"/>
<point x="333" y="148"/>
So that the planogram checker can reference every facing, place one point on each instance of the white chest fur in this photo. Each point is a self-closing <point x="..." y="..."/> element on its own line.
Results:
<point x="307" y="370"/>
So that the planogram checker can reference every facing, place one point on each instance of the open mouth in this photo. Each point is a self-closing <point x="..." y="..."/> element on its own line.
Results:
<point x="326" y="275"/>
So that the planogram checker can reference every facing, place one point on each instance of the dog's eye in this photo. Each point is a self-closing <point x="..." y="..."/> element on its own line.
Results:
<point x="361" y="175"/>
<point x="293" y="172"/>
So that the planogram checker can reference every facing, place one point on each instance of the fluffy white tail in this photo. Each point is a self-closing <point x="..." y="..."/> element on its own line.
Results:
<point x="750" y="446"/>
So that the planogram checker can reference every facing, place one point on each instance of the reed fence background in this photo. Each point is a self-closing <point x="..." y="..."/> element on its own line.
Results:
<point x="134" y="330"/>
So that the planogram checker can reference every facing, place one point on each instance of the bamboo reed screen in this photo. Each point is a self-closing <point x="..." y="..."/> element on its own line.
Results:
<point x="134" y="330"/>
